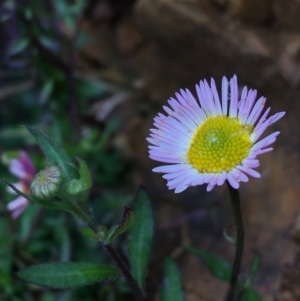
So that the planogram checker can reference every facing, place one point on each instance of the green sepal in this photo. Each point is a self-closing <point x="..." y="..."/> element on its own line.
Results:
<point x="79" y="186"/>
<point x="74" y="187"/>
<point x="127" y="221"/>
<point x="64" y="275"/>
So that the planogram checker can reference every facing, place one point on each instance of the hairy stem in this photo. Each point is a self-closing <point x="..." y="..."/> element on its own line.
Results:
<point x="86" y="217"/>
<point x="138" y="293"/>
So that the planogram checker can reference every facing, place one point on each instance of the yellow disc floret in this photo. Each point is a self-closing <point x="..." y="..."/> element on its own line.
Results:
<point x="219" y="144"/>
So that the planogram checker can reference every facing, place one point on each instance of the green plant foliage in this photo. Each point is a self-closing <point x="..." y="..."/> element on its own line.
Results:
<point x="54" y="153"/>
<point x="66" y="274"/>
<point x="255" y="265"/>
<point x="85" y="175"/>
<point x="172" y="288"/>
<point x="140" y="237"/>
<point x="218" y="267"/>
<point x="6" y="258"/>
<point x="127" y="221"/>
<point x="250" y="295"/>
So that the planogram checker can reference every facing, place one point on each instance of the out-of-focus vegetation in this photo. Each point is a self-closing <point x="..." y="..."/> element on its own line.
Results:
<point x="40" y="85"/>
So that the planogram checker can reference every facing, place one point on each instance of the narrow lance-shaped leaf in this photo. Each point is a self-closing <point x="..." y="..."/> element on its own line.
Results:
<point x="140" y="237"/>
<point x="54" y="152"/>
<point x="254" y="265"/>
<point x="66" y="274"/>
<point x="127" y="221"/>
<point x="218" y="267"/>
<point x="172" y="287"/>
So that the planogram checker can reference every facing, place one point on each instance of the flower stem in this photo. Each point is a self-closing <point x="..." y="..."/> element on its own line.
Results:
<point x="81" y="214"/>
<point x="138" y="293"/>
<point x="238" y="221"/>
<point x="85" y="216"/>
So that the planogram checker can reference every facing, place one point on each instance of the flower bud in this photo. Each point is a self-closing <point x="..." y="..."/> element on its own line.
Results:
<point x="46" y="183"/>
<point x="74" y="187"/>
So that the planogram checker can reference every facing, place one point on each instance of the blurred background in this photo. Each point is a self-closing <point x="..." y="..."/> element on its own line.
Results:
<point x="93" y="74"/>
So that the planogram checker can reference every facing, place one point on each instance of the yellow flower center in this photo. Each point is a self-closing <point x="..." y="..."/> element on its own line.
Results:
<point x="219" y="144"/>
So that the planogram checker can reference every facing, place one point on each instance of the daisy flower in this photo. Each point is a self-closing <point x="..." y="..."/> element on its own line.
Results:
<point x="209" y="140"/>
<point x="22" y="168"/>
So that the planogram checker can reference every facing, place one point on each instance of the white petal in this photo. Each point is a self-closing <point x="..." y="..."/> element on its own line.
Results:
<point x="256" y="111"/>
<point x="233" y="97"/>
<point x="266" y="141"/>
<point x="262" y="151"/>
<point x="180" y="188"/>
<point x="167" y="159"/>
<point x="216" y="97"/>
<point x="224" y="95"/>
<point x="249" y="104"/>
<point x="242" y="103"/>
<point x="190" y="98"/>
<point x="212" y="183"/>
<point x="170" y="168"/>
<point x="221" y="179"/>
<point x="232" y="181"/>
<point x="249" y="171"/>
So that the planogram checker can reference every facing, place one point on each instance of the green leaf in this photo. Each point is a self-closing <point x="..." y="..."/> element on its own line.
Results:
<point x="140" y="237"/>
<point x="66" y="274"/>
<point x="19" y="46"/>
<point x="254" y="265"/>
<point x="54" y="153"/>
<point x="88" y="90"/>
<point x="99" y="236"/>
<point x="85" y="175"/>
<point x="172" y="289"/>
<point x="218" y="267"/>
<point x="127" y="221"/>
<point x="88" y="232"/>
<point x="45" y="92"/>
<point x="250" y="295"/>
<point x="6" y="257"/>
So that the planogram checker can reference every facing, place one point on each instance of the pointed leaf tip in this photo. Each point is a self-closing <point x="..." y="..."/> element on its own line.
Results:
<point x="127" y="221"/>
